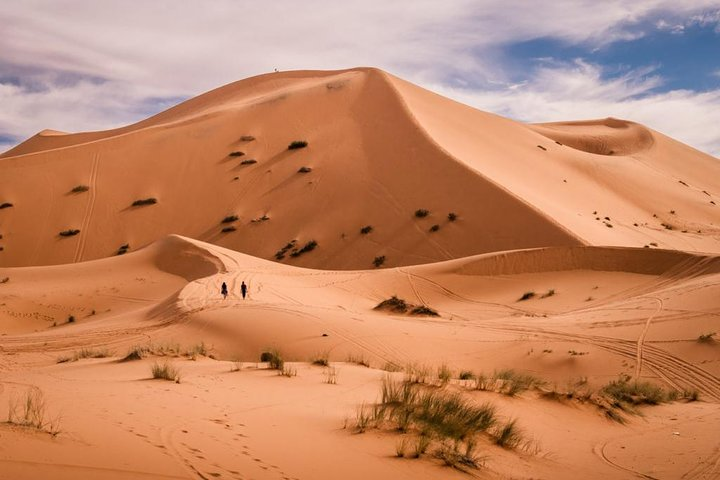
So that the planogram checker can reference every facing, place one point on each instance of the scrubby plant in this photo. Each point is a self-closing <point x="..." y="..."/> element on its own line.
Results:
<point x="358" y="359"/>
<point x="435" y="228"/>
<point x="247" y="138"/>
<point x="287" y="371"/>
<point x="444" y="374"/>
<point x="366" y="229"/>
<point x="228" y="229"/>
<point x="85" y="353"/>
<point x="304" y="170"/>
<point x="80" y="189"/>
<point x="466" y="375"/>
<point x="264" y="218"/>
<point x="31" y="411"/>
<point x="508" y="435"/>
<point x="526" y="296"/>
<point x="424" y="310"/>
<point x="394" y="304"/>
<point x="706" y="337"/>
<point x="321" y="359"/>
<point x="236" y="154"/>
<point x="331" y="375"/>
<point x="273" y="358"/>
<point x="6" y="205"/>
<point x="165" y="371"/>
<point x="379" y="260"/>
<point x="71" y="319"/>
<point x="136" y="352"/>
<point x="421" y="213"/>
<point x="294" y="145"/>
<point x="623" y="391"/>
<point x="280" y="254"/>
<point x="308" y="247"/>
<point x="69" y="233"/>
<point x="229" y="219"/>
<point x="144" y="201"/>
<point x="249" y="161"/>
<point x="549" y="293"/>
<point x="123" y="249"/>
<point x="452" y="216"/>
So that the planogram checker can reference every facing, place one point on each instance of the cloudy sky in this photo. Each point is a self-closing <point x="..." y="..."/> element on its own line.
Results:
<point x="76" y="65"/>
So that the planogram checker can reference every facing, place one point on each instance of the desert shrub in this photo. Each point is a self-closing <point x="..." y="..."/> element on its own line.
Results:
<point x="85" y="353"/>
<point x="70" y="232"/>
<point x="264" y="218"/>
<point x="304" y="170"/>
<point x="634" y="393"/>
<point x="197" y="349"/>
<point x="706" y="337"/>
<point x="123" y="249"/>
<point x="287" y="371"/>
<point x="294" y="145"/>
<point x="466" y="375"/>
<point x="31" y="411"/>
<point x="249" y="161"/>
<point x="379" y="260"/>
<point x="549" y="293"/>
<point x="308" y="247"/>
<point x="228" y="229"/>
<point x="80" y="189"/>
<point x="542" y="148"/>
<point x="321" y="359"/>
<point x="273" y="358"/>
<point x="358" y="359"/>
<point x="452" y="216"/>
<point x="423" y="310"/>
<point x="331" y="375"/>
<point x="444" y="374"/>
<point x="229" y="219"/>
<point x="508" y="435"/>
<point x="71" y="319"/>
<point x="144" y="201"/>
<point x="247" y="138"/>
<point x="236" y="154"/>
<point x="394" y="304"/>
<point x="136" y="352"/>
<point x="280" y="254"/>
<point x="366" y="229"/>
<point x="165" y="371"/>
<point x="6" y="205"/>
<point x="4" y="280"/>
<point x="435" y="228"/>
<point x="421" y="213"/>
<point x="526" y="296"/>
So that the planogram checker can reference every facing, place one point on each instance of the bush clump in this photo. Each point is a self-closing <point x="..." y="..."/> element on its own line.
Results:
<point x="165" y="371"/>
<point x="123" y="249"/>
<point x="247" y="138"/>
<point x="308" y="247"/>
<point x="706" y="337"/>
<point x="6" y="205"/>
<point x="80" y="189"/>
<point x="280" y="254"/>
<point x="378" y="261"/>
<point x="69" y="232"/>
<point x="623" y="391"/>
<point x="452" y="216"/>
<point x="248" y="161"/>
<point x="304" y="170"/>
<point x="236" y="154"/>
<point x="421" y="213"/>
<point x="273" y="358"/>
<point x="393" y="304"/>
<point x="526" y="296"/>
<point x="229" y="219"/>
<point x="144" y="201"/>
<point x="366" y="229"/>
<point x="228" y="229"/>
<point x="294" y="145"/>
<point x="435" y="228"/>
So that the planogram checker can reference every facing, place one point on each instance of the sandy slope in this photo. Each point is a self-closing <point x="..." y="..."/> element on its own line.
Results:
<point x="379" y="149"/>
<point x="647" y="308"/>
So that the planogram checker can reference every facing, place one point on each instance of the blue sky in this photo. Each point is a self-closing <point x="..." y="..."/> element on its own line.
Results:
<point x="85" y="65"/>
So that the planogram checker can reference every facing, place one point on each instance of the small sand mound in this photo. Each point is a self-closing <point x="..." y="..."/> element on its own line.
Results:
<point x="609" y="136"/>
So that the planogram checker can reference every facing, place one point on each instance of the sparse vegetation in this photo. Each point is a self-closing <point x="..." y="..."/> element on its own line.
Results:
<point x="575" y="353"/>
<point x="452" y="216"/>
<point x="304" y="170"/>
<point x="294" y="145"/>
<point x="123" y="249"/>
<point x="144" y="201"/>
<point x="366" y="229"/>
<point x="549" y="293"/>
<point x="264" y="218"/>
<point x="287" y="371"/>
<point x="80" y="189"/>
<point x="236" y="154"/>
<point x="508" y="436"/>
<point x="6" y="205"/>
<point x="444" y="374"/>
<point x="424" y="310"/>
<point x="165" y="371"/>
<point x="358" y="359"/>
<point x="706" y="337"/>
<point x="526" y="296"/>
<point x="466" y="375"/>
<point x="625" y="393"/>
<point x="273" y="358"/>
<point x="308" y="247"/>
<point x="331" y="375"/>
<point x="71" y="319"/>
<point x="435" y="228"/>
<point x="542" y="148"/>
<point x="394" y="304"/>
<point x="85" y="353"/>
<point x="30" y="412"/>
<point x="667" y="226"/>
<point x="421" y="213"/>
<point x="248" y="161"/>
<point x="4" y="280"/>
<point x="379" y="260"/>
<point x="247" y="138"/>
<point x="280" y="254"/>
<point x="70" y="232"/>
<point x="321" y="359"/>
<point x="230" y="219"/>
<point x="228" y="229"/>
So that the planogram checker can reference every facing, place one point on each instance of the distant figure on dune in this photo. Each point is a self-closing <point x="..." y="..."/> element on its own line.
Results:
<point x="243" y="289"/>
<point x="223" y="290"/>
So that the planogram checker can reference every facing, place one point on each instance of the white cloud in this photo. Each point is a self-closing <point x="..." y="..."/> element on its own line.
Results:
<point x="119" y="54"/>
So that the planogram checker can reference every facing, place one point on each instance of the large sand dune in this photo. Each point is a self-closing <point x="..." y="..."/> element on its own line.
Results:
<point x="379" y="149"/>
<point x="582" y="252"/>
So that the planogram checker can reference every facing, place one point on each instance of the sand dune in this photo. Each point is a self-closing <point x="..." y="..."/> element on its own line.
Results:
<point x="390" y="149"/>
<point x="579" y="253"/>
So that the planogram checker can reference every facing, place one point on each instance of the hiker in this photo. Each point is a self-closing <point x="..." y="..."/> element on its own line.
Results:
<point x="223" y="290"/>
<point x="243" y="289"/>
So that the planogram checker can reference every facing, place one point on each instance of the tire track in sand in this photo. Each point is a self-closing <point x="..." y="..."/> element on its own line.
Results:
<point x="80" y="250"/>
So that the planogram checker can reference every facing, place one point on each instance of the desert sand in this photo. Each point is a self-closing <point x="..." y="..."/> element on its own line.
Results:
<point x="610" y="230"/>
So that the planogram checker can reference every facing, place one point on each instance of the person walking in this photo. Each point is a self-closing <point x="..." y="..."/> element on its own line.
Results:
<point x="243" y="289"/>
<point x="224" y="291"/>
